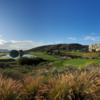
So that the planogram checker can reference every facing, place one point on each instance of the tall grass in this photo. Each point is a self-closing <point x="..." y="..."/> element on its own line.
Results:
<point x="74" y="86"/>
<point x="78" y="85"/>
<point x="9" y="89"/>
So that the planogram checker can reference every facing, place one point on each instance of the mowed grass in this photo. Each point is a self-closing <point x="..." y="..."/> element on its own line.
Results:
<point x="80" y="63"/>
<point x="44" y="55"/>
<point x="76" y="62"/>
<point x="59" y="63"/>
<point x="83" y="54"/>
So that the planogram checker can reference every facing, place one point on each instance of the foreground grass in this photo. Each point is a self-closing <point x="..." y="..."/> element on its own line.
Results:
<point x="75" y="85"/>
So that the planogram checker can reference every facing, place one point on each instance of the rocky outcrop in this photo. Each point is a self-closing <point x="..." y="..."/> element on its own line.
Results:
<point x="94" y="48"/>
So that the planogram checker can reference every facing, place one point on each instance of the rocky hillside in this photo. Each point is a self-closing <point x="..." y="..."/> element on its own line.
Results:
<point x="68" y="47"/>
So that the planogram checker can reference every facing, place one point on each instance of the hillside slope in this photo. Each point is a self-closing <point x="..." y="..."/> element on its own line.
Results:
<point x="68" y="47"/>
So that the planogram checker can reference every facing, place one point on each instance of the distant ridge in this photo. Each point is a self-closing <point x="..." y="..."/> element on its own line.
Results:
<point x="4" y="50"/>
<point x="67" y="47"/>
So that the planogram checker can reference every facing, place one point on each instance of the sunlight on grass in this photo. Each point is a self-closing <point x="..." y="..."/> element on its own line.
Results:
<point x="44" y="55"/>
<point x="77" y="85"/>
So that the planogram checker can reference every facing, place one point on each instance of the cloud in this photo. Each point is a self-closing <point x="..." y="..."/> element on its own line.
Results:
<point x="2" y="41"/>
<point x="92" y="38"/>
<point x="88" y="39"/>
<point x="72" y="38"/>
<point x="13" y="44"/>
<point x="27" y="44"/>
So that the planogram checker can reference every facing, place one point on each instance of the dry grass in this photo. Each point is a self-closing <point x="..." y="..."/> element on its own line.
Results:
<point x="9" y="89"/>
<point x="73" y="86"/>
<point x="80" y="85"/>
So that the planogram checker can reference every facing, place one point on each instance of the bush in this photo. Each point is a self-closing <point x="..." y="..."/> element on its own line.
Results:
<point x="13" y="74"/>
<point x="9" y="89"/>
<point x="4" y="65"/>
<point x="30" y="61"/>
<point x="7" y="60"/>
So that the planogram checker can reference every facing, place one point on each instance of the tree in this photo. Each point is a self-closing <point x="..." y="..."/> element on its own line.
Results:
<point x="21" y="53"/>
<point x="14" y="53"/>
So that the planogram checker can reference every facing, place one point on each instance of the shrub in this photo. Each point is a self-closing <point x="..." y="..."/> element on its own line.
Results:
<point x="13" y="74"/>
<point x="4" y="65"/>
<point x="30" y="61"/>
<point x="31" y="86"/>
<point x="9" y="89"/>
<point x="7" y="60"/>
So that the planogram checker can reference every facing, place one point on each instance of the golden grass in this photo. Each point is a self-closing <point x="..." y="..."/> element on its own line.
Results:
<point x="80" y="85"/>
<point x="74" y="86"/>
<point x="9" y="89"/>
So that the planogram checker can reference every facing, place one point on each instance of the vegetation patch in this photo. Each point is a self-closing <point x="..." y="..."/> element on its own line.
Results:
<point x="77" y="85"/>
<point x="30" y="61"/>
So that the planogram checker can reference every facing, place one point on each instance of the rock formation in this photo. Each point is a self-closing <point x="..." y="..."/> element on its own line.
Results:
<point x="94" y="48"/>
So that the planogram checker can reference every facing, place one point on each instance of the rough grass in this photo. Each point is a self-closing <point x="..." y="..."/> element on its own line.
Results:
<point x="49" y="83"/>
<point x="83" y="54"/>
<point x="75" y="85"/>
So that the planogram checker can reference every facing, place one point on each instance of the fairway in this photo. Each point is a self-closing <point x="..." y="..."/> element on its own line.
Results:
<point x="81" y="62"/>
<point x="76" y="62"/>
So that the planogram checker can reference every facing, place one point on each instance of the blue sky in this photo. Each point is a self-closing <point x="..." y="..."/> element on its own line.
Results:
<point x="49" y="21"/>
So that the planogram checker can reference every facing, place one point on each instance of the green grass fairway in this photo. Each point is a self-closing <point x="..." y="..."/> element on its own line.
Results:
<point x="44" y="55"/>
<point x="76" y="62"/>
<point x="81" y="62"/>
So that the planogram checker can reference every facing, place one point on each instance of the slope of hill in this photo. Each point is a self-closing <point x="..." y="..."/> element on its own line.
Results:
<point x="67" y="47"/>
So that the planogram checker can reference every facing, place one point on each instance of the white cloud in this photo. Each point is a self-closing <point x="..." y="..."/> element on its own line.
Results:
<point x="19" y="44"/>
<point x="92" y="38"/>
<point x="2" y="41"/>
<point x="27" y="44"/>
<point x="72" y="38"/>
<point x="14" y="44"/>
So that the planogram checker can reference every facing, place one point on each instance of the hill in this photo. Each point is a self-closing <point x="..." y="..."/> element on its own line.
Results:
<point x="67" y="47"/>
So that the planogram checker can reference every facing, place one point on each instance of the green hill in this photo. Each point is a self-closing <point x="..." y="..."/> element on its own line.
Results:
<point x="67" y="47"/>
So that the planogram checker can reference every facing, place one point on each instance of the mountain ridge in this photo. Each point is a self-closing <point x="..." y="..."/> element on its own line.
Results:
<point x="67" y="47"/>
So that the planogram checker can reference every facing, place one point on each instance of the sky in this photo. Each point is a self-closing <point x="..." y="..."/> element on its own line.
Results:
<point x="25" y="24"/>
